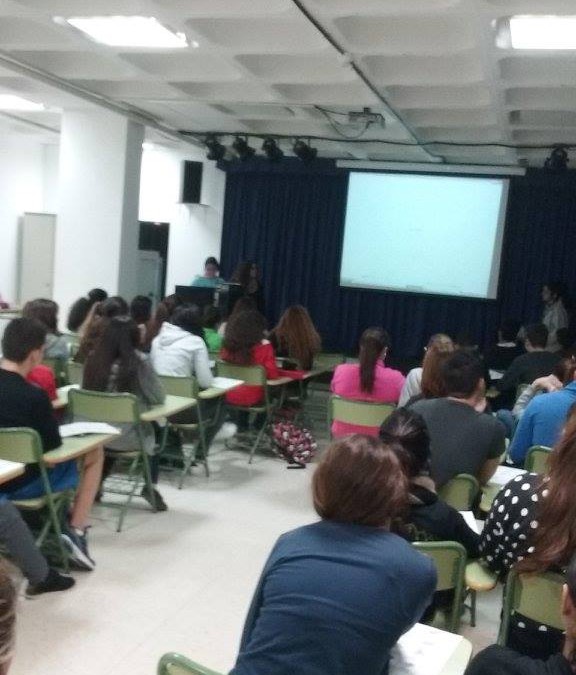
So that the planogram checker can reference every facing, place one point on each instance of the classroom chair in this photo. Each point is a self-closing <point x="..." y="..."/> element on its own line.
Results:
<point x="20" y="444"/>
<point x="450" y="560"/>
<point x="363" y="413"/>
<point x="478" y="578"/>
<point x="460" y="492"/>
<point x="188" y="387"/>
<point x="74" y="372"/>
<point x="176" y="664"/>
<point x="537" y="459"/>
<point x="96" y="406"/>
<point x="254" y="375"/>
<point x="536" y="596"/>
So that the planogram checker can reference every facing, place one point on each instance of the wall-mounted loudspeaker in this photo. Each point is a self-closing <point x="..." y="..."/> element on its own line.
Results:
<point x="191" y="182"/>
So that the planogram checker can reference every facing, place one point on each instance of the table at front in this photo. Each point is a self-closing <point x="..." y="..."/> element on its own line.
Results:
<point x="75" y="447"/>
<point x="10" y="470"/>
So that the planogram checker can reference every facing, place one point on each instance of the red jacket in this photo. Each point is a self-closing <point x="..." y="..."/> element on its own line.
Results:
<point x="43" y="377"/>
<point x="247" y="394"/>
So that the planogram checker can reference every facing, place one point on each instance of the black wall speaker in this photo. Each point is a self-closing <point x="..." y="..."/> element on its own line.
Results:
<point x="191" y="182"/>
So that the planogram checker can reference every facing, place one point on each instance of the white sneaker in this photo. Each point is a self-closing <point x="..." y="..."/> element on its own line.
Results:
<point x="226" y="431"/>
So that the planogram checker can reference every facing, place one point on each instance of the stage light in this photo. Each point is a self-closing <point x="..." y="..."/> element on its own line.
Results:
<point x="271" y="150"/>
<point x="216" y="150"/>
<point x="303" y="151"/>
<point x="242" y="149"/>
<point x="558" y="160"/>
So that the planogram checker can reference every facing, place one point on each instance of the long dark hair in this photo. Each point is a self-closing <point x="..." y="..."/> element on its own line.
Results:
<point x="243" y="332"/>
<point x="188" y="318"/>
<point x="164" y="311"/>
<point x="79" y="310"/>
<point x="554" y="540"/>
<point x="117" y="345"/>
<point x="405" y="431"/>
<point x="45" y="311"/>
<point x="242" y="274"/>
<point x="372" y="343"/>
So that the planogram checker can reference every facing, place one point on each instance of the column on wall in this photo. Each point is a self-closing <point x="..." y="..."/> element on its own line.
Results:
<point x="99" y="182"/>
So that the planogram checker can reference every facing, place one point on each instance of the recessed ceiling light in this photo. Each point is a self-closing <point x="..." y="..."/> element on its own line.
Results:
<point x="10" y="102"/>
<point x="543" y="32"/>
<point x="128" y="31"/>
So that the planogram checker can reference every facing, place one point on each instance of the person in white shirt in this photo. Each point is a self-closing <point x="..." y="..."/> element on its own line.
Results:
<point x="437" y="344"/>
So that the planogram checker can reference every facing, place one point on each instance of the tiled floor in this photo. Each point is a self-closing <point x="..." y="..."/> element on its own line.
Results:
<point x="180" y="580"/>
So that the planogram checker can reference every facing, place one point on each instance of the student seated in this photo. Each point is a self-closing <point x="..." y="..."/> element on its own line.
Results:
<point x="463" y="439"/>
<point x="502" y="354"/>
<point x="496" y="660"/>
<point x="25" y="405"/>
<point x="532" y="526"/>
<point x="537" y="362"/>
<point x="211" y="276"/>
<point x="46" y="311"/>
<point x="212" y="320"/>
<point x="296" y="337"/>
<point x="369" y="380"/>
<point x="335" y="596"/>
<point x="438" y="346"/>
<point x="141" y="313"/>
<point x="117" y="365"/>
<point x="163" y="313"/>
<point x="104" y="312"/>
<point x="80" y="310"/>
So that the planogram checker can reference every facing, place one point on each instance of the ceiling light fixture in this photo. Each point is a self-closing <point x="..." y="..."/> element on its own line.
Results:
<point x="558" y="159"/>
<point x="303" y="151"/>
<point x="271" y="149"/>
<point x="216" y="150"/>
<point x="127" y="31"/>
<point x="542" y="32"/>
<point x="242" y="149"/>
<point x="11" y="102"/>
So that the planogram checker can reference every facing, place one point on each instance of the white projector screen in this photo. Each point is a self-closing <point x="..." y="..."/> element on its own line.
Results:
<point x="424" y="234"/>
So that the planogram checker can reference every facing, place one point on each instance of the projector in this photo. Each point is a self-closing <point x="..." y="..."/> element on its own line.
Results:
<point x="366" y="116"/>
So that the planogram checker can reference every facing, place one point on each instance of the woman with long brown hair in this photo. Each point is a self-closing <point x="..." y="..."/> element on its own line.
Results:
<point x="247" y="275"/>
<point x="368" y="380"/>
<point x="296" y="337"/>
<point x="46" y="311"/>
<point x="426" y="379"/>
<point x="335" y="596"/>
<point x="532" y="526"/>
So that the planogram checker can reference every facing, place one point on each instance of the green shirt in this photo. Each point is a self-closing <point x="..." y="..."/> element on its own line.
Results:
<point x="213" y="340"/>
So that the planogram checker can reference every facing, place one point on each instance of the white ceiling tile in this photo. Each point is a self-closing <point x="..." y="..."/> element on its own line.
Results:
<point x="460" y="134"/>
<point x="543" y="118"/>
<point x="267" y="35"/>
<point x="449" y="70"/>
<point x="22" y="33"/>
<point x="407" y="35"/>
<point x="547" y="136"/>
<point x="542" y="97"/>
<point x="379" y="7"/>
<point x="353" y="93"/>
<point x="138" y="89"/>
<point x="240" y="8"/>
<point x="81" y="65"/>
<point x="89" y="7"/>
<point x="294" y="126"/>
<point x="187" y="66"/>
<point x="256" y="111"/>
<point x="450" y="118"/>
<point x="294" y="69"/>
<point x="439" y="97"/>
<point x="547" y="70"/>
<point x="226" y="91"/>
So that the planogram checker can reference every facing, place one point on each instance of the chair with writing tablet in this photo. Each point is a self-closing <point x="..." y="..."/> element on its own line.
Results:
<point x="460" y="492"/>
<point x="74" y="372"/>
<point x="176" y="664"/>
<point x="20" y="444"/>
<point x="96" y="406"/>
<point x="535" y="596"/>
<point x="537" y="459"/>
<point x="362" y="413"/>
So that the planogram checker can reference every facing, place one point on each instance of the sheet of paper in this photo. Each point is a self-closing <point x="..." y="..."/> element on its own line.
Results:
<point x="470" y="521"/>
<point x="225" y="382"/>
<point x="66" y="388"/>
<point x="423" y="650"/>
<point x="504" y="474"/>
<point x="496" y="374"/>
<point x="82" y="428"/>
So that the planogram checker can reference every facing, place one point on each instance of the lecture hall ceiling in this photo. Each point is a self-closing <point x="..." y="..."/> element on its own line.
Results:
<point x="437" y="72"/>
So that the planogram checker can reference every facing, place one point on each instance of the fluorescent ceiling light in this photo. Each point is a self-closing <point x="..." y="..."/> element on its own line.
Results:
<point x="10" y="102"/>
<point x="129" y="31"/>
<point x="543" y="32"/>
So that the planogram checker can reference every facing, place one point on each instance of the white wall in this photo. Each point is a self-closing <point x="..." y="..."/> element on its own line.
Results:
<point x="22" y="188"/>
<point x="195" y="231"/>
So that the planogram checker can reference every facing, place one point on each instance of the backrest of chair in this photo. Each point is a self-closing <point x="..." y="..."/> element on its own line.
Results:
<point x="363" y="413"/>
<point x="179" y="386"/>
<point x="328" y="360"/>
<point x="535" y="596"/>
<point x="254" y="375"/>
<point x="450" y="560"/>
<point x="20" y="444"/>
<point x="460" y="492"/>
<point x="537" y="459"/>
<point x="176" y="664"/>
<point x="97" y="406"/>
<point x="74" y="372"/>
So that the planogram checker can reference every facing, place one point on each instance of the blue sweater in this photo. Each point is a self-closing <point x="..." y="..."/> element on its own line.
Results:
<point x="542" y="421"/>
<point x="333" y="599"/>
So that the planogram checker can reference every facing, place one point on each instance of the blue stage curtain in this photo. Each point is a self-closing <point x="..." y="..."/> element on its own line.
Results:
<point x="289" y="218"/>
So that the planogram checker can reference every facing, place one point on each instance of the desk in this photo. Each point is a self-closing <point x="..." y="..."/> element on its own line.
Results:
<point x="503" y="475"/>
<point x="171" y="406"/>
<point x="10" y="470"/>
<point x="75" y="447"/>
